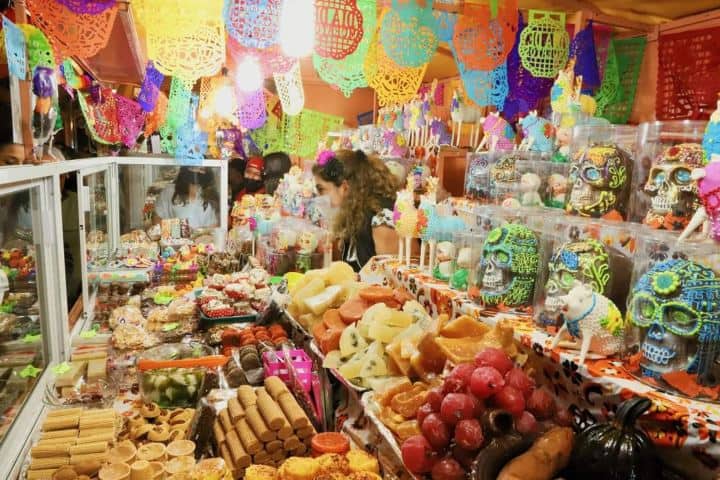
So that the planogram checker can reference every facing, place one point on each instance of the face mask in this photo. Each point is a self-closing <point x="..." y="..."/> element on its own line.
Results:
<point x="325" y="211"/>
<point x="253" y="185"/>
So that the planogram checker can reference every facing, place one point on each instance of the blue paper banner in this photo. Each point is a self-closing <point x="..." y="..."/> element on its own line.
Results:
<point x="15" y="49"/>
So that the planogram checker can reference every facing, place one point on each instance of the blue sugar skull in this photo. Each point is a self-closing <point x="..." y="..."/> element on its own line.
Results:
<point x="676" y="304"/>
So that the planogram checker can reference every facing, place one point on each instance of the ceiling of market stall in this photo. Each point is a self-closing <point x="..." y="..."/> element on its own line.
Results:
<point x="123" y="59"/>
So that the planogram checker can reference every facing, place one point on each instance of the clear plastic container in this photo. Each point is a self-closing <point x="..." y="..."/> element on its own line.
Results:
<point x="674" y="315"/>
<point x="477" y="176"/>
<point x="665" y="195"/>
<point x="468" y="247"/>
<point x="173" y="375"/>
<point x="601" y="171"/>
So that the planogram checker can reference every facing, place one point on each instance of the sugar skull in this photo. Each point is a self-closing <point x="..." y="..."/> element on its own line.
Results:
<point x="586" y="261"/>
<point x="508" y="266"/>
<point x="676" y="304"/>
<point x="503" y="176"/>
<point x="477" y="177"/>
<point x="671" y="187"/>
<point x="600" y="178"/>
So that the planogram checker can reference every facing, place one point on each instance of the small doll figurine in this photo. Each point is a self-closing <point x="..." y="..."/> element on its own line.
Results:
<point x="557" y="187"/>
<point x="307" y="243"/>
<point x="445" y="258"/>
<point x="529" y="186"/>
<point x="44" y="114"/>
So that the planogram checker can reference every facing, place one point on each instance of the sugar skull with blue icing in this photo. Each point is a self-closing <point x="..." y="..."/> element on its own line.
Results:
<point x="676" y="305"/>
<point x="586" y="261"/>
<point x="508" y="266"/>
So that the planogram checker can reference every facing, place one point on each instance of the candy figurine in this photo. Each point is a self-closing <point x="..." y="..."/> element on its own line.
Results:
<point x="461" y="112"/>
<point x="707" y="215"/>
<point x="557" y="188"/>
<point x="445" y="258"/>
<point x="405" y="217"/>
<point x="44" y="89"/>
<point x="426" y="212"/>
<point x="459" y="279"/>
<point x="594" y="319"/>
<point x="529" y="186"/>
<point x="498" y="134"/>
<point x="538" y="134"/>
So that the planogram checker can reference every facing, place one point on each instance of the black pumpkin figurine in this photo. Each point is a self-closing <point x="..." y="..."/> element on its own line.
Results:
<point x="616" y="450"/>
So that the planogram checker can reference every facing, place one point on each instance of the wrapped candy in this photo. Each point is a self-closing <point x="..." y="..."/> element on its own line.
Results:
<point x="44" y="88"/>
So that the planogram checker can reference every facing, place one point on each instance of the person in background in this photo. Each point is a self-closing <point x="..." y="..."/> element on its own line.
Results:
<point x="362" y="191"/>
<point x="236" y="177"/>
<point x="277" y="164"/>
<point x="193" y="196"/>
<point x="253" y="178"/>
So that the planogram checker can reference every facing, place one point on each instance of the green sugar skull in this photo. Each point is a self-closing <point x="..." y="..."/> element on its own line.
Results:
<point x="509" y="266"/>
<point x="586" y="261"/>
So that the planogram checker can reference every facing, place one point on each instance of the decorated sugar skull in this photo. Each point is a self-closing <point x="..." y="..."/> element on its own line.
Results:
<point x="600" y="178"/>
<point x="503" y="176"/>
<point x="508" y="266"/>
<point x="671" y="187"/>
<point x="307" y="242"/>
<point x="586" y="261"/>
<point x="477" y="177"/>
<point x="676" y="304"/>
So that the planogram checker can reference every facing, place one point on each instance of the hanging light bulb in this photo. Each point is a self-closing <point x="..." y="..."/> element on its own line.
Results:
<point x="297" y="27"/>
<point x="248" y="76"/>
<point x="224" y="102"/>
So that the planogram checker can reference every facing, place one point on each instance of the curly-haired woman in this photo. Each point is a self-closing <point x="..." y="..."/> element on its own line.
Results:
<point x="362" y="190"/>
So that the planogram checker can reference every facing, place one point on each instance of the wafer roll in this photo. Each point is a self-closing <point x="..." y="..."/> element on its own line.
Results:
<point x="275" y="387"/>
<point x="100" y="437"/>
<point x="50" y="462"/>
<point x="235" y="410"/>
<point x="62" y="412"/>
<point x="100" y="457"/>
<point x="250" y="442"/>
<point x="306" y="432"/>
<point x="58" y="441"/>
<point x="246" y="395"/>
<point x="85" y="448"/>
<point x="261" y="457"/>
<point x="286" y="431"/>
<point x="61" y="423"/>
<point x="69" y="433"/>
<point x="295" y="415"/>
<point x="279" y="456"/>
<point x="256" y="422"/>
<point x="224" y="417"/>
<point x="40" y="474"/>
<point x="219" y="432"/>
<point x="89" y="432"/>
<point x="300" y="451"/>
<point x="269" y="410"/>
<point x="274" y="446"/>
<point x="240" y="458"/>
<point x="291" y="443"/>
<point x="225" y="454"/>
<point x="48" y="451"/>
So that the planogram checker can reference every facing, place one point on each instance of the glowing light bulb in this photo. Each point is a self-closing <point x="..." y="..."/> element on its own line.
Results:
<point x="248" y="76"/>
<point x="224" y="103"/>
<point x="297" y="27"/>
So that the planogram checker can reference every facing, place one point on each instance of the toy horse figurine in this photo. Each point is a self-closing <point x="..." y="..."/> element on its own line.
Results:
<point x="538" y="134"/>
<point x="398" y="123"/>
<point x="499" y="135"/>
<point x="594" y="319"/>
<point x="707" y="216"/>
<point x="405" y="217"/>
<point x="461" y="112"/>
<point x="426" y="112"/>
<point x="566" y="97"/>
<point x="426" y="212"/>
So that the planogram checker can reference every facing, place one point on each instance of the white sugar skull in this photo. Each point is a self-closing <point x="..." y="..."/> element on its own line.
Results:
<point x="307" y="242"/>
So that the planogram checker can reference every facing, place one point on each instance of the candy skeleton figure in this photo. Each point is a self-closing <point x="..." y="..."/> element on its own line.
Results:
<point x="676" y="304"/>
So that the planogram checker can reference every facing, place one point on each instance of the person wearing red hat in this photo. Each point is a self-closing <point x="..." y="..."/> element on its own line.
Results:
<point x="253" y="178"/>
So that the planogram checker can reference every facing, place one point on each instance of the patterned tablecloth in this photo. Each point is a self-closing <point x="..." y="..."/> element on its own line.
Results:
<point x="591" y="390"/>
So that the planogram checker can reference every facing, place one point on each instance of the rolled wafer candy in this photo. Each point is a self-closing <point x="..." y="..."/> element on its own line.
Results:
<point x="291" y="443"/>
<point x="84" y="448"/>
<point x="100" y="457"/>
<point x="225" y="454"/>
<point x="69" y="433"/>
<point x="269" y="410"/>
<point x="97" y="421"/>
<point x="100" y="437"/>
<point x="279" y="456"/>
<point x="219" y="432"/>
<point x="63" y="412"/>
<point x="256" y="422"/>
<point x="261" y="457"/>
<point x="50" y="462"/>
<point x="239" y="456"/>
<point x="246" y="395"/>
<point x="89" y="432"/>
<point x="52" y="450"/>
<point x="300" y="451"/>
<point x="250" y="442"/>
<point x="306" y="432"/>
<point x="275" y="387"/>
<point x="58" y="441"/>
<point x="235" y="410"/>
<point x="99" y="412"/>
<point x="274" y="446"/>
<point x="224" y="417"/>
<point x="308" y="442"/>
<point x="292" y="411"/>
<point x="40" y="474"/>
<point x="286" y="431"/>
<point x="61" y="423"/>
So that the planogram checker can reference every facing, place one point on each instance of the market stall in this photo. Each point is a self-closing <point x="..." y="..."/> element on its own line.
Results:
<point x="339" y="239"/>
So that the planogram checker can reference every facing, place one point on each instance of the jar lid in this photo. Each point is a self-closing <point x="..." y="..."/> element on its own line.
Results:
<point x="330" y="442"/>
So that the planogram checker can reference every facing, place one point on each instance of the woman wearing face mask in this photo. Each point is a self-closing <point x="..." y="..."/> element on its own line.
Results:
<point x="362" y="191"/>
<point x="193" y="196"/>
<point x="253" y="176"/>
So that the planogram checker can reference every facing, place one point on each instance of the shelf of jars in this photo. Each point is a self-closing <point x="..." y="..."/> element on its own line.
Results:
<point x="589" y="391"/>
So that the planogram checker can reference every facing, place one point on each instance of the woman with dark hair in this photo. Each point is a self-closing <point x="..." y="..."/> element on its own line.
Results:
<point x="193" y="196"/>
<point x="362" y="191"/>
<point x="277" y="164"/>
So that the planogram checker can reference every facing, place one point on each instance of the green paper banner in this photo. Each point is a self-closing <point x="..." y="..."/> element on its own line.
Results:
<point x="616" y="96"/>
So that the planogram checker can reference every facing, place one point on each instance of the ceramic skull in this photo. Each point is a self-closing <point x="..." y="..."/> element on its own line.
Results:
<point x="600" y="178"/>
<point x="586" y="261"/>
<point x="672" y="190"/>
<point x="508" y="266"/>
<point x="676" y="304"/>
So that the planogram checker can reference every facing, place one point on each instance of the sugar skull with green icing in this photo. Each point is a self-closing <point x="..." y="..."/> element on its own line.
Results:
<point x="600" y="178"/>
<point x="676" y="306"/>
<point x="508" y="267"/>
<point x="586" y="261"/>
